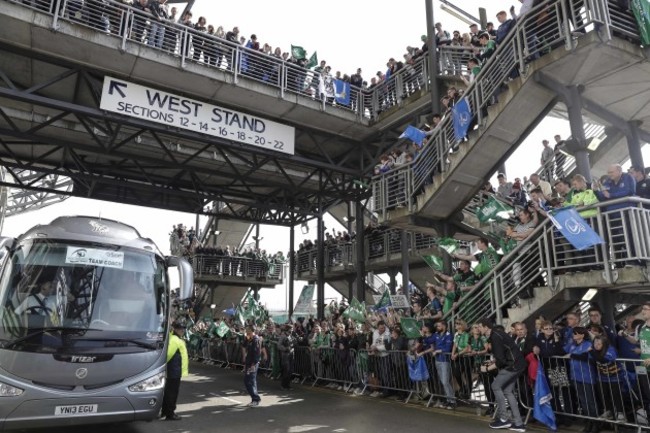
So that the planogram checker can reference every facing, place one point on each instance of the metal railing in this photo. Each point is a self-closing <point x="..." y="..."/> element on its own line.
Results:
<point x="530" y="39"/>
<point x="380" y="245"/>
<point x="452" y="60"/>
<point x="236" y="266"/>
<point x="133" y="26"/>
<point x="545" y="254"/>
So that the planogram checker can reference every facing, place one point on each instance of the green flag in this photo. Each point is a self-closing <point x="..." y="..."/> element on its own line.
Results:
<point x="313" y="61"/>
<point x="434" y="262"/>
<point x="641" y="11"/>
<point x="384" y="301"/>
<point x="356" y="311"/>
<point x="491" y="210"/>
<point x="507" y="246"/>
<point x="298" y="53"/>
<point x="240" y="316"/>
<point x="222" y="330"/>
<point x="410" y="327"/>
<point x="448" y="244"/>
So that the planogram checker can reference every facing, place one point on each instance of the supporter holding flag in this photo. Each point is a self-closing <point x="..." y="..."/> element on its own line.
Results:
<point x="462" y="118"/>
<point x="575" y="229"/>
<point x="342" y="92"/>
<point x="542" y="410"/>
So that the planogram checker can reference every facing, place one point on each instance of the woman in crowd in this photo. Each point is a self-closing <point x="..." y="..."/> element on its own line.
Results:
<point x="612" y="379"/>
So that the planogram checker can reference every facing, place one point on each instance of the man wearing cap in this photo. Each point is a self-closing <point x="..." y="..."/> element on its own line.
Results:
<point x="489" y="46"/>
<point x="505" y="25"/>
<point x="253" y="350"/>
<point x="177" y="367"/>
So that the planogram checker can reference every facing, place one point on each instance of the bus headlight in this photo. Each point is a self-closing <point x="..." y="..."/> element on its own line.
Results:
<point x="150" y="384"/>
<point x="9" y="391"/>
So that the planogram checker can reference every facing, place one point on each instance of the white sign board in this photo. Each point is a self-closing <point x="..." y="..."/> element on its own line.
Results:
<point x="396" y="301"/>
<point x="94" y="257"/>
<point x="150" y="104"/>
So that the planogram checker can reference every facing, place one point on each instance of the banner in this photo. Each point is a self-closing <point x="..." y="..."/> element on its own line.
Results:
<point x="542" y="410"/>
<point x="298" y="53"/>
<point x="356" y="311"/>
<point x="575" y="229"/>
<point x="396" y="301"/>
<point x="305" y="305"/>
<point x="414" y="134"/>
<point x="493" y="209"/>
<point x="462" y="117"/>
<point x="434" y="262"/>
<point x="342" y="92"/>
<point x="641" y="11"/>
<point x="410" y="327"/>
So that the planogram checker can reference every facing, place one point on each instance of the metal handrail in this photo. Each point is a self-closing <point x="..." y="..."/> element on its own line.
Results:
<point x="236" y="266"/>
<point x="545" y="253"/>
<point x="523" y="42"/>
<point x="133" y="26"/>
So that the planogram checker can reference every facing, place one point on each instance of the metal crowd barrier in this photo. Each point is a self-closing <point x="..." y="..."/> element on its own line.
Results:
<point x="612" y="392"/>
<point x="597" y="389"/>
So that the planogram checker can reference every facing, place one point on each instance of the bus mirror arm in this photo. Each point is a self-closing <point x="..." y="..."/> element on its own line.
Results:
<point x="185" y="275"/>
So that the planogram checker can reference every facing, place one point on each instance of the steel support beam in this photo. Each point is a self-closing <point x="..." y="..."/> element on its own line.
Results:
<point x="433" y="57"/>
<point x="634" y="145"/>
<point x="360" y="243"/>
<point x="320" y="268"/>
<point x="292" y="266"/>
<point x="405" y="247"/>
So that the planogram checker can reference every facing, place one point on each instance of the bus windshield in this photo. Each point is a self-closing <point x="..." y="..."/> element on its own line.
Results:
<point x="72" y="298"/>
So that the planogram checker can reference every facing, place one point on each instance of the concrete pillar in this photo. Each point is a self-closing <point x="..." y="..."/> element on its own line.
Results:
<point x="256" y="293"/>
<point x="359" y="288"/>
<point x="634" y="145"/>
<point x="578" y="144"/>
<point x="404" y="244"/>
<point x="502" y="169"/>
<point x="292" y="267"/>
<point x="350" y="279"/>
<point x="392" y="285"/>
<point x="433" y="58"/>
<point x="320" y="269"/>
<point x="607" y="303"/>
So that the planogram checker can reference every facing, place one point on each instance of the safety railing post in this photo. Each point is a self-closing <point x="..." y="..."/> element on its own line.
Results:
<point x="283" y="79"/>
<point x="126" y="31"/>
<point x="55" y="17"/>
<point x="604" y="247"/>
<point x="568" y="39"/>
<point x="546" y="234"/>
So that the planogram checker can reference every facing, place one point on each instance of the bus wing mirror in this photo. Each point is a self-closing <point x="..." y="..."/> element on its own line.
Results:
<point x="185" y="275"/>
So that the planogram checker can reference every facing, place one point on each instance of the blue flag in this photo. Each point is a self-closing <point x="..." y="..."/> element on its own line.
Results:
<point x="413" y="134"/>
<point x="342" y="92"/>
<point x="575" y="229"/>
<point x="542" y="410"/>
<point x="462" y="117"/>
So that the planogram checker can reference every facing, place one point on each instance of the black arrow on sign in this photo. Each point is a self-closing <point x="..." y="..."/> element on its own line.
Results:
<point x="116" y="86"/>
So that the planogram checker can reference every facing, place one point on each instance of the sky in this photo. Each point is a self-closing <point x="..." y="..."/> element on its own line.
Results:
<point x="348" y="35"/>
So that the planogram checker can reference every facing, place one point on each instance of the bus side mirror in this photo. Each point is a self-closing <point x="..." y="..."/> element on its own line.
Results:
<point x="185" y="275"/>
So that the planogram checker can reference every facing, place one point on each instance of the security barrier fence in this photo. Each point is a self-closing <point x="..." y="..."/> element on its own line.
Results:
<point x="592" y="386"/>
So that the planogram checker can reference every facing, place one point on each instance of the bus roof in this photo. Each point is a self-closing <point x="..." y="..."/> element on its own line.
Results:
<point x="91" y="229"/>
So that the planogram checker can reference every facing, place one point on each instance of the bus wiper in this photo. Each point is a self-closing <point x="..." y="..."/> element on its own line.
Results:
<point x="150" y="346"/>
<point x="42" y="331"/>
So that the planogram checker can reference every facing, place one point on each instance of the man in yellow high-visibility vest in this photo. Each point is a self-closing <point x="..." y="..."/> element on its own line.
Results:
<point x="177" y="367"/>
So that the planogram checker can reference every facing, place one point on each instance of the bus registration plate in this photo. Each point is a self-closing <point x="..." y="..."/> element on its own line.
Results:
<point x="75" y="410"/>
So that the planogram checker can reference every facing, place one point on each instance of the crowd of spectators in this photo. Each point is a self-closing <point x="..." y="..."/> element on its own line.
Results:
<point x="224" y="260"/>
<point x="591" y="365"/>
